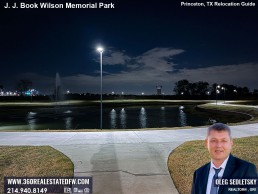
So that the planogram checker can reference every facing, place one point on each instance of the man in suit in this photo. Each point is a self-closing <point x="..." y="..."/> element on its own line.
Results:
<point x="219" y="144"/>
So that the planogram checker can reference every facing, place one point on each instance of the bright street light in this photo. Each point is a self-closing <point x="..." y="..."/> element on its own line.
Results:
<point x="100" y="50"/>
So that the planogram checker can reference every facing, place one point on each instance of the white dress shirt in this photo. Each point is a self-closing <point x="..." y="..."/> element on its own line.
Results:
<point x="212" y="173"/>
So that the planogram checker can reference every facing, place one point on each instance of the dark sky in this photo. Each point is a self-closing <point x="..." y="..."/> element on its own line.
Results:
<point x="147" y="43"/>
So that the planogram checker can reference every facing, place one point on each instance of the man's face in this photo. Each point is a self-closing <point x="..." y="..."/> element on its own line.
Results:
<point x="219" y="145"/>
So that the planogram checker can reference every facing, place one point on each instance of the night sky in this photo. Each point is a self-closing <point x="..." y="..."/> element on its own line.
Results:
<point x="147" y="43"/>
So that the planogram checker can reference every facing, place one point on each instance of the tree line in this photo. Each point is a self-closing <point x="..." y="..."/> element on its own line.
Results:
<point x="182" y="88"/>
<point x="201" y="88"/>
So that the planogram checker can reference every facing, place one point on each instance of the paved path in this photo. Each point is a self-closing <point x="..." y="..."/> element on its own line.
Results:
<point x="120" y="162"/>
<point x="238" y="105"/>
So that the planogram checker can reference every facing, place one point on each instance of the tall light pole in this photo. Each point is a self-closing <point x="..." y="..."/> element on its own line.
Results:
<point x="217" y="92"/>
<point x="224" y="89"/>
<point x="208" y="94"/>
<point x="100" y="50"/>
<point x="235" y="91"/>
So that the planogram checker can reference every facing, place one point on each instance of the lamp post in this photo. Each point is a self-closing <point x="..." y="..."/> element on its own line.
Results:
<point x="208" y="94"/>
<point x="100" y="50"/>
<point x="235" y="91"/>
<point x="217" y="92"/>
<point x="224" y="89"/>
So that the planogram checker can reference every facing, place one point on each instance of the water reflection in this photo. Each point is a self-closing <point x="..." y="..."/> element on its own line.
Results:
<point x="68" y="122"/>
<point x="182" y="118"/>
<point x="32" y="124"/>
<point x="123" y="118"/>
<point x="113" y="119"/>
<point x="32" y="121"/>
<point x="163" y="116"/>
<point x="143" y="118"/>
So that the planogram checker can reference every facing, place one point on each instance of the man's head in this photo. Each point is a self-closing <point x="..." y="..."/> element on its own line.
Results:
<point x="219" y="142"/>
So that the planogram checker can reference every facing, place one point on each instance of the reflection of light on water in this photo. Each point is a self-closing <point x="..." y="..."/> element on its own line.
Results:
<point x="68" y="111"/>
<point x="143" y="118"/>
<point x="113" y="119"/>
<point x="32" y="123"/>
<point x="68" y="122"/>
<point x="163" y="116"/>
<point x="31" y="120"/>
<point x="182" y="118"/>
<point x="123" y="118"/>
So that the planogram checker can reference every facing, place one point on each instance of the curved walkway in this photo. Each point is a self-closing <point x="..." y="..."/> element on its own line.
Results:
<point x="239" y="105"/>
<point x="121" y="162"/>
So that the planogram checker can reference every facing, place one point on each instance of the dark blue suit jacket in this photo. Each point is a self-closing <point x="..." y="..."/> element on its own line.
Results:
<point x="235" y="168"/>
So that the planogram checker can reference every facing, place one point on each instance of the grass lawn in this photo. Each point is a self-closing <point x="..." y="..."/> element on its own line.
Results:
<point x="188" y="157"/>
<point x="33" y="161"/>
<point x="246" y="110"/>
<point x="245" y="102"/>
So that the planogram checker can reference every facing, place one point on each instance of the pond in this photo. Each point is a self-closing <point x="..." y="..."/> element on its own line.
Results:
<point x="89" y="118"/>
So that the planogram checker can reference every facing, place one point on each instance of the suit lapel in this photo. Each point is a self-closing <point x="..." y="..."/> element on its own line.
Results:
<point x="228" y="170"/>
<point x="229" y="167"/>
<point x="205" y="176"/>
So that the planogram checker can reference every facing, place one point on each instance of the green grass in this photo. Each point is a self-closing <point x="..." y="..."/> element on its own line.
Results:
<point x="37" y="161"/>
<point x="188" y="157"/>
<point x="253" y="112"/>
<point x="245" y="102"/>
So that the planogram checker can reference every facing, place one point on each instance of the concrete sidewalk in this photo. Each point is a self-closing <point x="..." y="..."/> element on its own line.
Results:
<point x="120" y="162"/>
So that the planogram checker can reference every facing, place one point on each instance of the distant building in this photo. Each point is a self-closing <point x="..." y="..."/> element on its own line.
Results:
<point x="159" y="90"/>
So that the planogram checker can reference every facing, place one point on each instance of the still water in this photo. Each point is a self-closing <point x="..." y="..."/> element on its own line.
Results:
<point x="89" y="118"/>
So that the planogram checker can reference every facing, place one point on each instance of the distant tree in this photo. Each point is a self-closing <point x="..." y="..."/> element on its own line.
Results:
<point x="243" y="91"/>
<point x="192" y="87"/>
<point x="213" y="88"/>
<point x="182" y="86"/>
<point x="24" y="85"/>
<point x="229" y="89"/>
<point x="202" y="88"/>
<point x="255" y="92"/>
<point x="198" y="88"/>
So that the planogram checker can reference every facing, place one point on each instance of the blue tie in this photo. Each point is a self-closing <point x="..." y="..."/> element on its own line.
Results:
<point x="214" y="188"/>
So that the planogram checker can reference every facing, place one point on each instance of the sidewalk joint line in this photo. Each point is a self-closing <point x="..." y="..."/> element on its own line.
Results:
<point x="115" y="171"/>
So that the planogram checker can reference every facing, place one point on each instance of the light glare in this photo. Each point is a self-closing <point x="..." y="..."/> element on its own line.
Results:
<point x="100" y="49"/>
